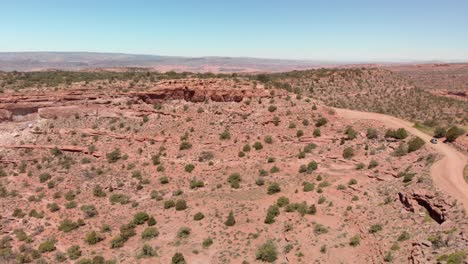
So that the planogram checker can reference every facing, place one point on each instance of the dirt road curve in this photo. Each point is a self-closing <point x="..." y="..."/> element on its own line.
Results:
<point x="447" y="173"/>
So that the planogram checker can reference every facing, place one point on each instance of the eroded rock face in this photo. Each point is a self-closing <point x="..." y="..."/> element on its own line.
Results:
<point x="5" y="115"/>
<point x="436" y="205"/>
<point x="69" y="103"/>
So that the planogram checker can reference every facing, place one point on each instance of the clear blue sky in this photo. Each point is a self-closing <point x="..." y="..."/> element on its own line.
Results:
<point x="324" y="30"/>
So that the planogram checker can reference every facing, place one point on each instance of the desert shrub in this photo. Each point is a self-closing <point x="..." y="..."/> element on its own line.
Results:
<point x="53" y="207"/>
<point x="375" y="228"/>
<point x="226" y="135"/>
<point x="272" y="212"/>
<point x="98" y="191"/>
<point x="257" y="145"/>
<point x="400" y="133"/>
<point x="267" y="252"/>
<point x="456" y="257"/>
<point x="309" y="147"/>
<point x="388" y="257"/>
<point x="321" y="122"/>
<point x="282" y="201"/>
<point x="198" y="216"/>
<point x="140" y="218"/>
<point x="372" y="133"/>
<point x="274" y="169"/>
<point x="156" y="159"/>
<point x="234" y="180"/>
<point x="407" y="176"/>
<point x="415" y="144"/>
<point x="308" y="186"/>
<point x="272" y="108"/>
<point x="312" y="210"/>
<point x="178" y="258"/>
<point x="350" y="133"/>
<point x="119" y="198"/>
<point x="118" y="242"/>
<point x="260" y="181"/>
<point x="147" y="251"/>
<point x="352" y="182"/>
<point x="404" y="236"/>
<point x="268" y="139"/>
<point x="453" y="133"/>
<point x="273" y="188"/>
<point x="194" y="184"/>
<point x="207" y="242"/>
<point x="151" y="221"/>
<point x="68" y="225"/>
<point x="89" y="210"/>
<point x="246" y="148"/>
<point x="149" y="233"/>
<point x="440" y="132"/>
<point x="44" y="177"/>
<point x="241" y="154"/>
<point x="114" y="156"/>
<point x="189" y="168"/>
<point x="372" y="164"/>
<point x="355" y="241"/>
<point x="184" y="232"/>
<point x="127" y="231"/>
<point x="180" y="205"/>
<point x="299" y="133"/>
<point x="230" y="221"/>
<point x="348" y="153"/>
<point x="320" y="229"/>
<point x="47" y="246"/>
<point x="169" y="204"/>
<point x="74" y="252"/>
<point x="164" y="180"/>
<point x="360" y="166"/>
<point x="93" y="238"/>
<point x="185" y="145"/>
<point x="317" y="132"/>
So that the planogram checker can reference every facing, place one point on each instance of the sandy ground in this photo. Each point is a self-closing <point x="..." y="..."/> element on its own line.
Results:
<point x="447" y="173"/>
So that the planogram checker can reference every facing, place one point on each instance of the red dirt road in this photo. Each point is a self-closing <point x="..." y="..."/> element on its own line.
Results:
<point x="447" y="173"/>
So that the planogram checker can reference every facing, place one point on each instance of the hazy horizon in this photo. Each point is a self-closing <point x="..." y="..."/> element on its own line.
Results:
<point x="364" y="31"/>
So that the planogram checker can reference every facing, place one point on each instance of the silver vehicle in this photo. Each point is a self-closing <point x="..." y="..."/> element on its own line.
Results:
<point x="434" y="141"/>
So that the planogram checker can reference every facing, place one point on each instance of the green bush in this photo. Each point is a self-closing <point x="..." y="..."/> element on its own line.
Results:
<point x="93" y="238"/>
<point x="226" y="135"/>
<point x="273" y="188"/>
<point x="268" y="139"/>
<point x="180" y="205"/>
<point x="282" y="201"/>
<point x="89" y="210"/>
<point x="47" y="246"/>
<point x="207" y="242"/>
<point x="348" y="153"/>
<point x="440" y="132"/>
<point x="169" y="204"/>
<point x="198" y="216"/>
<point x="178" y="258"/>
<point x="272" y="212"/>
<point x="140" y="218"/>
<point x="321" y="122"/>
<point x="185" y="145"/>
<point x="456" y="257"/>
<point x="234" y="180"/>
<point x="272" y="108"/>
<point x="119" y="198"/>
<point x="74" y="252"/>
<point x="415" y="144"/>
<point x="149" y="233"/>
<point x="151" y="221"/>
<point x="230" y="221"/>
<point x="98" y="191"/>
<point x="189" y="168"/>
<point x="400" y="133"/>
<point x="114" y="156"/>
<point x="44" y="177"/>
<point x="355" y="241"/>
<point x="68" y="225"/>
<point x="375" y="228"/>
<point x="350" y="133"/>
<point x="118" y="242"/>
<point x="308" y="186"/>
<point x="453" y="133"/>
<point x="257" y="146"/>
<point x="267" y="252"/>
<point x="372" y="133"/>
<point x="184" y="232"/>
